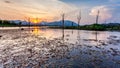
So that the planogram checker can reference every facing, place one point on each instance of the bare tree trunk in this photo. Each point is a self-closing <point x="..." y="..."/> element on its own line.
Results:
<point x="72" y="24"/>
<point x="97" y="17"/>
<point x="63" y="17"/>
<point x="79" y="19"/>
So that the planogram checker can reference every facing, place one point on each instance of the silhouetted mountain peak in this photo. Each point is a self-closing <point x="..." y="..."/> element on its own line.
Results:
<point x="59" y="23"/>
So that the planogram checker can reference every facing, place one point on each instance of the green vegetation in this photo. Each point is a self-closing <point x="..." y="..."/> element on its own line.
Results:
<point x="98" y="27"/>
<point x="5" y="23"/>
<point x="93" y="27"/>
<point x="113" y="27"/>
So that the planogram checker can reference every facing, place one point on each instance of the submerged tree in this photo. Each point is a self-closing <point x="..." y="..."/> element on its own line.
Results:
<point x="79" y="18"/>
<point x="96" y="32"/>
<point x="63" y="25"/>
<point x="97" y="17"/>
<point x="63" y="21"/>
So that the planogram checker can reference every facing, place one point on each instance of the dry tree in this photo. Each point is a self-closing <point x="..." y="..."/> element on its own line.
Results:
<point x="79" y="18"/>
<point x="97" y="16"/>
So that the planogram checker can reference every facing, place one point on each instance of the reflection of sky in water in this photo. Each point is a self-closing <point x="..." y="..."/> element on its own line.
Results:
<point x="74" y="36"/>
<point x="83" y="53"/>
<point x="47" y="33"/>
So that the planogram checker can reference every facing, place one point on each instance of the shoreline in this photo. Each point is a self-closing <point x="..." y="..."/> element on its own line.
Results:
<point x="55" y="27"/>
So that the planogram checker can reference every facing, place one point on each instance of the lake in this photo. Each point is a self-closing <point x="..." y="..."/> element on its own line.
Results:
<point x="41" y="47"/>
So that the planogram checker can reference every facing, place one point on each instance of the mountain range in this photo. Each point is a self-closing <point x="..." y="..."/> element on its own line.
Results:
<point x="43" y="23"/>
<point x="58" y="23"/>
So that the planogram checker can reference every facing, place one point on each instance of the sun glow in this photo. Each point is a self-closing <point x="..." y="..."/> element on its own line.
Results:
<point x="37" y="31"/>
<point x="35" y="20"/>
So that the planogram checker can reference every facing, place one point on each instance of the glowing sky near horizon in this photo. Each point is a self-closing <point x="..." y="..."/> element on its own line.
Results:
<point x="50" y="10"/>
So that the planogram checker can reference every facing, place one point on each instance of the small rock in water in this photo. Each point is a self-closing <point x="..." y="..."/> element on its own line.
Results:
<point x="22" y="28"/>
<point x="0" y="35"/>
<point x="68" y="57"/>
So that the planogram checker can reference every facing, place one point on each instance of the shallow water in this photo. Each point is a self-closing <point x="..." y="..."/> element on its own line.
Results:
<point x="42" y="47"/>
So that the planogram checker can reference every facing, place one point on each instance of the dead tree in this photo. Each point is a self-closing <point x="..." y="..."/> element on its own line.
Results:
<point x="29" y="22"/>
<point x="63" y="25"/>
<point x="97" y="17"/>
<point x="72" y="24"/>
<point x="79" y="18"/>
<point x="63" y="21"/>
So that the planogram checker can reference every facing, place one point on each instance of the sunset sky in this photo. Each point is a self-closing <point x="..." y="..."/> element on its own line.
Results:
<point x="50" y="10"/>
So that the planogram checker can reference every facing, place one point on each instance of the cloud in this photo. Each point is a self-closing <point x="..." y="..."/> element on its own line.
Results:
<point x="105" y="12"/>
<point x="86" y="2"/>
<point x="109" y="9"/>
<point x="6" y="1"/>
<point x="34" y="8"/>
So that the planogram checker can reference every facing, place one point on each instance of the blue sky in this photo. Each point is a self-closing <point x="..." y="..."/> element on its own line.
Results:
<point x="86" y="2"/>
<point x="50" y="10"/>
<point x="109" y="9"/>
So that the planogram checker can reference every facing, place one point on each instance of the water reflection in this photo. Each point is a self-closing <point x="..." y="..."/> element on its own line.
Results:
<point x="43" y="53"/>
<point x="36" y="30"/>
<point x="47" y="33"/>
<point x="63" y="35"/>
<point x="72" y="36"/>
<point x="78" y="37"/>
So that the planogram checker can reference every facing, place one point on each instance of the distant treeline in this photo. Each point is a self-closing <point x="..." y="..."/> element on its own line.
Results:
<point x="99" y="27"/>
<point x="7" y="23"/>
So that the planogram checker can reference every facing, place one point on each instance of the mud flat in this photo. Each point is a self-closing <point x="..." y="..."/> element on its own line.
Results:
<point x="25" y="49"/>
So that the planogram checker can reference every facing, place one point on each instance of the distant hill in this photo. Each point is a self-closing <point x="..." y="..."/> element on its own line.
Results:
<point x="22" y="22"/>
<point x="55" y="23"/>
<point x="111" y="24"/>
<point x="6" y="23"/>
<point x="59" y="23"/>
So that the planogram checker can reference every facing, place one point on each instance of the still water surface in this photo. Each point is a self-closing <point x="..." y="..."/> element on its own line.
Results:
<point x="43" y="47"/>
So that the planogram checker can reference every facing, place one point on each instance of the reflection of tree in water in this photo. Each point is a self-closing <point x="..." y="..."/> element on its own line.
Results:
<point x="96" y="37"/>
<point x="72" y="31"/>
<point x="63" y="35"/>
<point x="55" y="54"/>
<point x="78" y="37"/>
